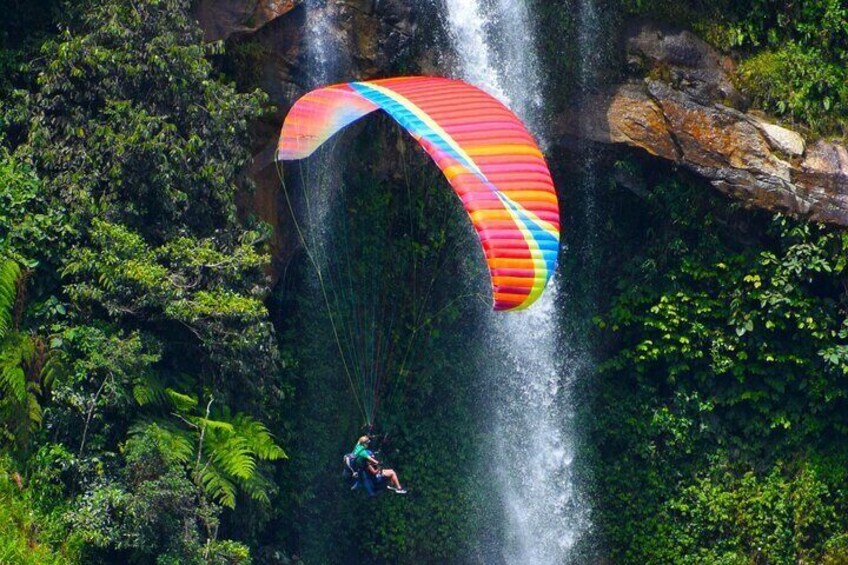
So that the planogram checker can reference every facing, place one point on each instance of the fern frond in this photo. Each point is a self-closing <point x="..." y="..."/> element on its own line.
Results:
<point x="258" y="488"/>
<point x="13" y="381"/>
<point x="218" y="486"/>
<point x="181" y="402"/>
<point x="230" y="449"/>
<point x="22" y="383"/>
<point x="232" y="456"/>
<point x="260" y="440"/>
<point x="217" y="426"/>
<point x="52" y="369"/>
<point x="148" y="390"/>
<point x="10" y="273"/>
<point x="34" y="414"/>
<point x="174" y="443"/>
<point x="17" y="351"/>
<point x="144" y="394"/>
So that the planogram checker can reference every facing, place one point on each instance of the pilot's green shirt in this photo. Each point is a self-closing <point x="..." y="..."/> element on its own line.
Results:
<point x="360" y="452"/>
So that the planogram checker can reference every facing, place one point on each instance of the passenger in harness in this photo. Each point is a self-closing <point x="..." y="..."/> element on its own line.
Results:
<point x="362" y="468"/>
<point x="351" y="472"/>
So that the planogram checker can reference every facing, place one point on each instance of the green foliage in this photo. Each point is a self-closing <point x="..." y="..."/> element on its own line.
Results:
<point x="233" y="450"/>
<point x="723" y="383"/>
<point x="139" y="148"/>
<point x="759" y="332"/>
<point x="144" y="290"/>
<point x="31" y="228"/>
<point x="128" y="122"/>
<point x="680" y="12"/>
<point x="25" y="25"/>
<point x="223" y="453"/>
<point x="185" y="281"/>
<point x="10" y="274"/>
<point x="26" y="368"/>
<point x="726" y="515"/>
<point x="93" y="402"/>
<point x="156" y="513"/>
<point x="836" y="550"/>
<point x="22" y="539"/>
<point x="725" y="344"/>
<point x="800" y="83"/>
<point x="22" y="387"/>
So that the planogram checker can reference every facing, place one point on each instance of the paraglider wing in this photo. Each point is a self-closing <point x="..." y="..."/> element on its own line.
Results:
<point x="483" y="149"/>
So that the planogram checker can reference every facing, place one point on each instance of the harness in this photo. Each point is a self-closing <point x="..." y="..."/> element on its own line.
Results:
<point x="356" y="474"/>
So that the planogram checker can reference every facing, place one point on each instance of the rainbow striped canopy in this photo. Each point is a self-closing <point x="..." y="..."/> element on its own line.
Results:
<point x="486" y="153"/>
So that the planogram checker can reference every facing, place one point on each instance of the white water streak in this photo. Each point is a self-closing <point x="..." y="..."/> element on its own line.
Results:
<point x="518" y="62"/>
<point x="535" y="437"/>
<point x="322" y="51"/>
<point x="469" y="35"/>
<point x="535" y="434"/>
<point x="323" y="180"/>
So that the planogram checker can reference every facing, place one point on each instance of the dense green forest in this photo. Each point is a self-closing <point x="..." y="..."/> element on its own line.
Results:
<point x="164" y="400"/>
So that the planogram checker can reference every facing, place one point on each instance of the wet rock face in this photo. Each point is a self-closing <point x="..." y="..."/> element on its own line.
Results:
<point x="376" y="31"/>
<point x="360" y="39"/>
<point x="364" y="38"/>
<point x="682" y="59"/>
<point x="220" y="19"/>
<point x="681" y="119"/>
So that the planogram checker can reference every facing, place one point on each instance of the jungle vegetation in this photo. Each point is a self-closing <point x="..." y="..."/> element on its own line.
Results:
<point x="162" y="402"/>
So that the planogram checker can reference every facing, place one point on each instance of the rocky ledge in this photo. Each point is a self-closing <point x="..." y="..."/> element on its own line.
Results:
<point x="220" y="19"/>
<point x="686" y="110"/>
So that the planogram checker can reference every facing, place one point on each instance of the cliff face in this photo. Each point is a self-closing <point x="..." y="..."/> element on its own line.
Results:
<point x="687" y="111"/>
<point x="364" y="38"/>
<point x="681" y="104"/>
<point x="222" y="18"/>
<point x="361" y="38"/>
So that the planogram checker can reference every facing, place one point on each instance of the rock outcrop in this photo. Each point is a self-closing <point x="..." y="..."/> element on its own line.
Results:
<point x="682" y="59"/>
<point x="220" y="19"/>
<point x="680" y="103"/>
<point x="687" y="110"/>
<point x="361" y="39"/>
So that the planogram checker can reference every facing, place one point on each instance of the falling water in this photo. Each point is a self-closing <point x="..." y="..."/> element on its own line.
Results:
<point x="589" y="51"/>
<point x="468" y="29"/>
<point x="534" y="431"/>
<point x="518" y="63"/>
<point x="589" y="54"/>
<point x="533" y="369"/>
<point x="535" y="438"/>
<point x="322" y="49"/>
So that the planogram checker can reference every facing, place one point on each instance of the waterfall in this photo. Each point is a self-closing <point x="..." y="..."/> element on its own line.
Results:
<point x="535" y="440"/>
<point x="468" y="32"/>
<point x="589" y="53"/>
<point x="324" y="44"/>
<point x="530" y="367"/>
<point x="312" y="207"/>
<point x="530" y="370"/>
<point x="323" y="65"/>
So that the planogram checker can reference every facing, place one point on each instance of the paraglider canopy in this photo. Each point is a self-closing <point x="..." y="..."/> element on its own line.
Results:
<point x="483" y="149"/>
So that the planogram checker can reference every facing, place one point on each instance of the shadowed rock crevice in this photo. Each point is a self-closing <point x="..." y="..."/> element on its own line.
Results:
<point x="222" y="18"/>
